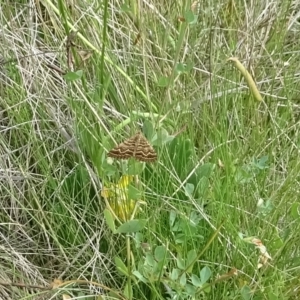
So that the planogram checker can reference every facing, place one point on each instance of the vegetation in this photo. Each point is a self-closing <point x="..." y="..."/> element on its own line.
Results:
<point x="216" y="216"/>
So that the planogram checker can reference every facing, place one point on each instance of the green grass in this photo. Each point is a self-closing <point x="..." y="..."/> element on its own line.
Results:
<point x="227" y="168"/>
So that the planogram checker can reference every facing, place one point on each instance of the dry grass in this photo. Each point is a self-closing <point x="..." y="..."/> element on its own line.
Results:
<point x="45" y="119"/>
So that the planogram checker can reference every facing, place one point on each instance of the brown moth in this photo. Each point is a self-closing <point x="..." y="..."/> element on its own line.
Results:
<point x="137" y="146"/>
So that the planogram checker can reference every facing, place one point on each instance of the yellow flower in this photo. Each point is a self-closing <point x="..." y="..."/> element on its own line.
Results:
<point x="118" y="199"/>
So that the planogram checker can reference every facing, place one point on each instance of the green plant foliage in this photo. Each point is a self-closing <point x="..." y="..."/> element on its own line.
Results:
<point x="184" y="229"/>
<point x="248" y="172"/>
<point x="131" y="226"/>
<point x="216" y="216"/>
<point x="73" y="76"/>
<point x="110" y="220"/>
<point x="121" y="266"/>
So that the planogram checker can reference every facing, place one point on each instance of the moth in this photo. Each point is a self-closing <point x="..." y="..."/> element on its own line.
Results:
<point x="137" y="147"/>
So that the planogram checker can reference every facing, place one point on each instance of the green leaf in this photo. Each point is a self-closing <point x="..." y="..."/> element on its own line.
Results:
<point x="191" y="290"/>
<point x="295" y="210"/>
<point x="182" y="279"/>
<point x="135" y="168"/>
<point x="108" y="169"/>
<point x="205" y="274"/>
<point x="180" y="263"/>
<point x="163" y="81"/>
<point x="160" y="253"/>
<point x="195" y="218"/>
<point x="191" y="258"/>
<point x="150" y="259"/>
<point x="148" y="129"/>
<point x="138" y="275"/>
<point x="261" y="163"/>
<point x="202" y="187"/>
<point x="121" y="267"/>
<point x="128" y="291"/>
<point x="196" y="280"/>
<point x="157" y="269"/>
<point x="206" y="170"/>
<point x="277" y="242"/>
<point x="266" y="207"/>
<point x="161" y="137"/>
<point x="206" y="287"/>
<point x="246" y="292"/>
<point x="72" y="76"/>
<point x="132" y="226"/>
<point x="180" y="238"/>
<point x="200" y="179"/>
<point x="175" y="274"/>
<point x="189" y="189"/>
<point x="243" y="175"/>
<point x="133" y="193"/>
<point x="180" y="68"/>
<point x="109" y="219"/>
<point x="138" y="238"/>
<point x="190" y="17"/>
<point x="184" y="68"/>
